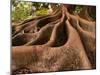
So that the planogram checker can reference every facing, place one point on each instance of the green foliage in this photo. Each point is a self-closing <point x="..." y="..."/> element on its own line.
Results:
<point x="77" y="9"/>
<point x="22" y="10"/>
<point x="42" y="11"/>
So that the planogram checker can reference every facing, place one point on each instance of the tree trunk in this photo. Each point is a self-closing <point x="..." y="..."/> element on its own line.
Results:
<point x="59" y="41"/>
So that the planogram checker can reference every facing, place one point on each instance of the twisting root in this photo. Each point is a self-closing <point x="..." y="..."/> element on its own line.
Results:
<point x="55" y="42"/>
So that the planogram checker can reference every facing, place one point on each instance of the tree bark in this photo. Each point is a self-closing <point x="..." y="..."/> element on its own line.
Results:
<point x="60" y="41"/>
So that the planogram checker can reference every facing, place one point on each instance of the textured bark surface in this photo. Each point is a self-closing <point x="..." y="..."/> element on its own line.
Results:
<point x="60" y="41"/>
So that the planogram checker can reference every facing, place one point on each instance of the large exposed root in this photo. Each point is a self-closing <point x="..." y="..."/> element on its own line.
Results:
<point x="56" y="42"/>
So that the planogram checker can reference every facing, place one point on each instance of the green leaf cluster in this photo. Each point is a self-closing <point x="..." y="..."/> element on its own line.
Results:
<point x="22" y="10"/>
